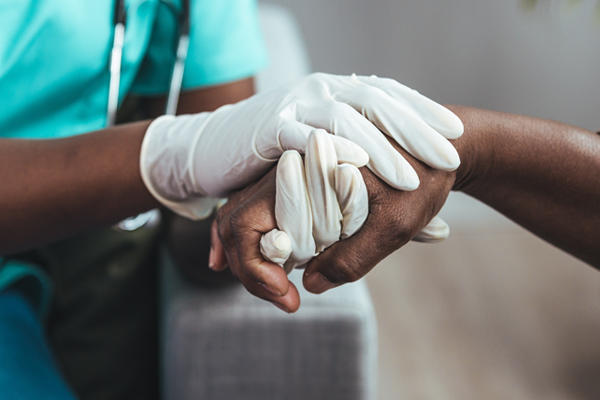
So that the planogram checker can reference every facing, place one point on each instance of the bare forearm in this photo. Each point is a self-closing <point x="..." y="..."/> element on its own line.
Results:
<point x="57" y="187"/>
<point x="542" y="174"/>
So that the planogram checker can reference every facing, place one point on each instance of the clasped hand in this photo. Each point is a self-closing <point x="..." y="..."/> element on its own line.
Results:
<point x="322" y="200"/>
<point x="186" y="159"/>
<point x="394" y="218"/>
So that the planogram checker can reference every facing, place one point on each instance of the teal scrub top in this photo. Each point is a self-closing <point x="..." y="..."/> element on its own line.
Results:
<point x="54" y="58"/>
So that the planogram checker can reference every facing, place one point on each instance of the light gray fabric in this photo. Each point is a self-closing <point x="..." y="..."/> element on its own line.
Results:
<point x="227" y="344"/>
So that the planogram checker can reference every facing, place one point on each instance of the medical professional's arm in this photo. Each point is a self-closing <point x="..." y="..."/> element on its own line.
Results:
<point x="542" y="174"/>
<point x="184" y="159"/>
<point x="241" y="141"/>
<point x="202" y="99"/>
<point x="54" y="188"/>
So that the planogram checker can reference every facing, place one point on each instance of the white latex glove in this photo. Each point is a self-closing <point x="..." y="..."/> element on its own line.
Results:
<point x="317" y="201"/>
<point x="320" y="201"/>
<point x="436" y="231"/>
<point x="185" y="158"/>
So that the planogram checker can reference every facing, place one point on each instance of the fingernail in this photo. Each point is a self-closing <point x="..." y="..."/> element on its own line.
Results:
<point x="317" y="283"/>
<point x="271" y="290"/>
<point x="211" y="259"/>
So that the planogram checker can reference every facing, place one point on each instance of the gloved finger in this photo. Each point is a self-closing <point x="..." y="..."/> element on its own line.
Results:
<point x="352" y="197"/>
<point x="344" y="121"/>
<point x="404" y="125"/>
<point x="294" y="136"/>
<point x="436" y="231"/>
<point x="348" y="152"/>
<point x="293" y="208"/>
<point x="217" y="260"/>
<point x="351" y="194"/>
<point x="276" y="246"/>
<point x="320" y="162"/>
<point x="435" y="115"/>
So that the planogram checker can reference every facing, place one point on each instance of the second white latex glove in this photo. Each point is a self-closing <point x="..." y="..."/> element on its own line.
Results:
<point x="320" y="201"/>
<point x="186" y="158"/>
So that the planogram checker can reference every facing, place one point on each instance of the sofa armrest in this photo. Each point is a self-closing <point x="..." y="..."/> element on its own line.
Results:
<point x="225" y="343"/>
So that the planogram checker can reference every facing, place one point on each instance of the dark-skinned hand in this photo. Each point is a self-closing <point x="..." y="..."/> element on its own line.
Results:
<point x="395" y="217"/>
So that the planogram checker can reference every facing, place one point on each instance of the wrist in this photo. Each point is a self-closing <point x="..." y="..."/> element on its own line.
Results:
<point x="473" y="147"/>
<point x="167" y="165"/>
<point x="167" y="156"/>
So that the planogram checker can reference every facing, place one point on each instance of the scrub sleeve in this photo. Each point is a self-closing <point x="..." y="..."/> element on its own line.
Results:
<point x="28" y="369"/>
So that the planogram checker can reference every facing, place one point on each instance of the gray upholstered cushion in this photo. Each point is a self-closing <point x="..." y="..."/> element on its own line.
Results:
<point x="226" y="344"/>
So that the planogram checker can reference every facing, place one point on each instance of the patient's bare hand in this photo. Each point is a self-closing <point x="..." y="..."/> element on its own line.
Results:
<point x="395" y="217"/>
<point x="235" y="239"/>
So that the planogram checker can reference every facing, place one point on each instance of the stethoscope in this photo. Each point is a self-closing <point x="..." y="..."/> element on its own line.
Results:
<point x="116" y="56"/>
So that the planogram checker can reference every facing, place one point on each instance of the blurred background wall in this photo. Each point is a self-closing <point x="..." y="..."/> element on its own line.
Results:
<point x="542" y="61"/>
<point x="492" y="313"/>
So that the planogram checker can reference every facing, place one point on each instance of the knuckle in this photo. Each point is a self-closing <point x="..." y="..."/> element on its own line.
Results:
<point x="237" y="221"/>
<point x="377" y="190"/>
<point x="369" y="94"/>
<point x="229" y="229"/>
<point x="394" y="223"/>
<point x="256" y="291"/>
<point x="223" y="230"/>
<point x="401" y="228"/>
<point x="222" y="215"/>
<point x="339" y="108"/>
<point x="233" y="228"/>
<point x="317" y="81"/>
<point x="219" y="218"/>
<point x="316" y="76"/>
<point x="252" y="290"/>
<point x="234" y="220"/>
<point x="343" y="270"/>
<point x="387" y="81"/>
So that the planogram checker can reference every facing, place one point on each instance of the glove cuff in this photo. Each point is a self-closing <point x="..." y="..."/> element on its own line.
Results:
<point x="165" y="171"/>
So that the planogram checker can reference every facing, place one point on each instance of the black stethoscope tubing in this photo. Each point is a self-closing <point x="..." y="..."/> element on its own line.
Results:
<point x="116" y="56"/>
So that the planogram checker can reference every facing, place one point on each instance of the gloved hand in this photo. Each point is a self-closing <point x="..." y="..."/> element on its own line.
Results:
<point x="309" y="215"/>
<point x="185" y="158"/>
<point x="320" y="201"/>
